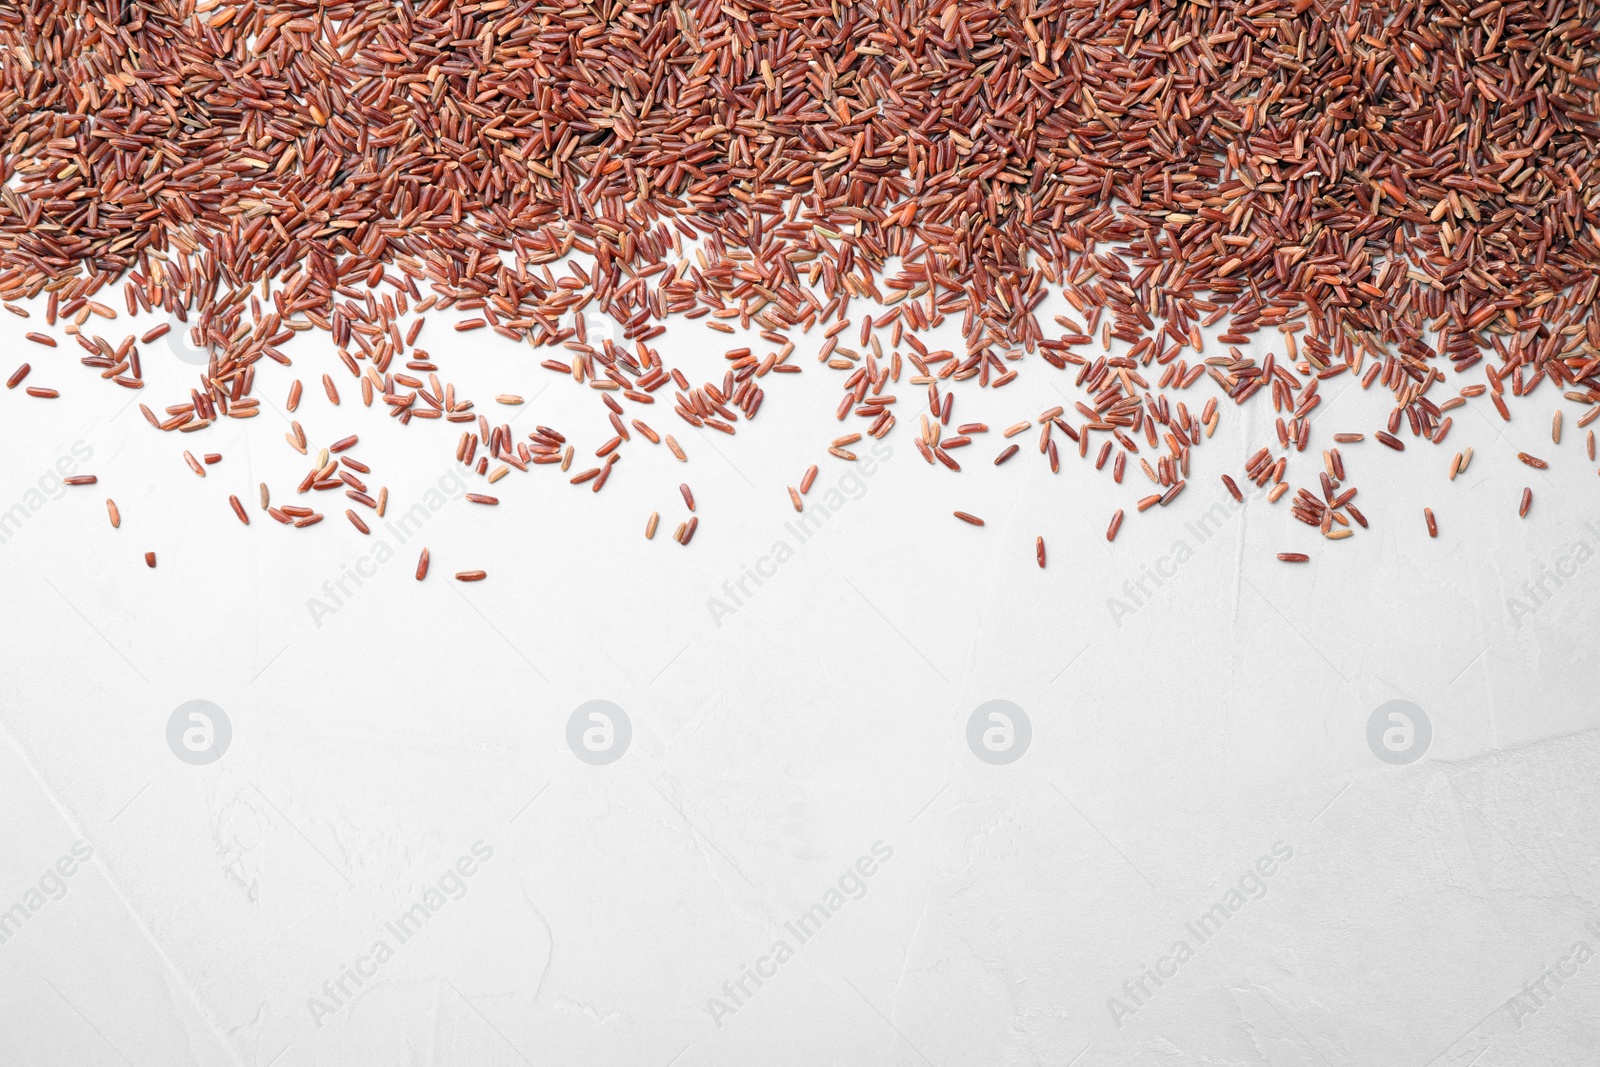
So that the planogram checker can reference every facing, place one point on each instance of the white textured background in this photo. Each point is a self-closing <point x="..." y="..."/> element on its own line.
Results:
<point x="773" y="747"/>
